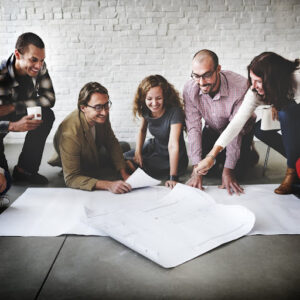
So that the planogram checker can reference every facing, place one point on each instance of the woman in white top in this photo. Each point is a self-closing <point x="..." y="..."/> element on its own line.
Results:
<point x="274" y="80"/>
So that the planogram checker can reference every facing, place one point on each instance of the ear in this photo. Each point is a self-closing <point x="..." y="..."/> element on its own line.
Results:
<point x="219" y="68"/>
<point x="82" y="108"/>
<point x="17" y="54"/>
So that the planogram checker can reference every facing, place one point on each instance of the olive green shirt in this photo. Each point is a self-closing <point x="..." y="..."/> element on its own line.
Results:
<point x="78" y="153"/>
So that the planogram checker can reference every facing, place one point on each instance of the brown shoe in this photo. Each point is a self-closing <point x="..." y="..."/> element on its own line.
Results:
<point x="286" y="185"/>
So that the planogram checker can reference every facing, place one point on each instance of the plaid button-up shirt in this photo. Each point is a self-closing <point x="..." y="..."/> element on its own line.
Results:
<point x="216" y="112"/>
<point x="40" y="93"/>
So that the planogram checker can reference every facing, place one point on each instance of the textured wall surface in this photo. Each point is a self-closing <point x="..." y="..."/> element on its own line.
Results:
<point x="119" y="42"/>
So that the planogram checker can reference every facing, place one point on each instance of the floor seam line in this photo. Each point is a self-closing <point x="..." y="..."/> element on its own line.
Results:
<point x="50" y="269"/>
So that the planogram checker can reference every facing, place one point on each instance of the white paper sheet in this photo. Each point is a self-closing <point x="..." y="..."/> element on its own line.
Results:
<point x="176" y="228"/>
<point x="275" y="214"/>
<point x="47" y="212"/>
<point x="140" y="179"/>
<point x="56" y="211"/>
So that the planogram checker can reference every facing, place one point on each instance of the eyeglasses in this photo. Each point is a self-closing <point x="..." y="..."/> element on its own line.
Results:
<point x="100" y="107"/>
<point x="205" y="76"/>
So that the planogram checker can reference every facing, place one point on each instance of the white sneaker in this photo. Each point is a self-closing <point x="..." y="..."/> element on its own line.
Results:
<point x="4" y="201"/>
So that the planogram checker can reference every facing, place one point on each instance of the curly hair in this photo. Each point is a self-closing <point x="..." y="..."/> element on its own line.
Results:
<point x="276" y="73"/>
<point x="170" y="94"/>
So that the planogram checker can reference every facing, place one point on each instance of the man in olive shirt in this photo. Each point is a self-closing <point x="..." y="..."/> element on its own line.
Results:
<point x="80" y="139"/>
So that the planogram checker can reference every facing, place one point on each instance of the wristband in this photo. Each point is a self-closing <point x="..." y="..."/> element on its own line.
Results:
<point x="173" y="177"/>
<point x="211" y="156"/>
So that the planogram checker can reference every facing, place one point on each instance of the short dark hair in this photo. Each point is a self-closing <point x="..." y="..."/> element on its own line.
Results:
<point x="276" y="74"/>
<point x="26" y="39"/>
<point x="88" y="90"/>
<point x="211" y="54"/>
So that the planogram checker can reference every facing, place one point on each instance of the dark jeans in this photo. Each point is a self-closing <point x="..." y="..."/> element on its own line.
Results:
<point x="33" y="147"/>
<point x="210" y="136"/>
<point x="270" y="137"/>
<point x="289" y="118"/>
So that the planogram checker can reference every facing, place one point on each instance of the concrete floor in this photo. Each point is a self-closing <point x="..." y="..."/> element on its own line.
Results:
<point x="77" y="267"/>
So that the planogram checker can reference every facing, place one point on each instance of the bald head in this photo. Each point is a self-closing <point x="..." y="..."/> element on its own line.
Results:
<point x="207" y="56"/>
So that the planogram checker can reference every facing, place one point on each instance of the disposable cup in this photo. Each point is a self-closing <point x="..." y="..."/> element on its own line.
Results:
<point x="36" y="111"/>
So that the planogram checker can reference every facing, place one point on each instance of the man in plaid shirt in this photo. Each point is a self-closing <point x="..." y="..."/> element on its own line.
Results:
<point x="25" y="82"/>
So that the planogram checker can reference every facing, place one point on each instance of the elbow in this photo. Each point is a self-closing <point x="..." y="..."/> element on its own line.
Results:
<point x="173" y="147"/>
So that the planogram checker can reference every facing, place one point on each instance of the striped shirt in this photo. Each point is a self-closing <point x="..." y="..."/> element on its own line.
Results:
<point x="39" y="92"/>
<point x="217" y="112"/>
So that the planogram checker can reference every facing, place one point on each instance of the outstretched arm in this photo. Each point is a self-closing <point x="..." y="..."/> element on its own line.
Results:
<point x="251" y="101"/>
<point x="173" y="148"/>
<point x="138" y="158"/>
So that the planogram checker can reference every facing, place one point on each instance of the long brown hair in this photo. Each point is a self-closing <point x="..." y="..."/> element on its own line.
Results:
<point x="276" y="73"/>
<point x="170" y="94"/>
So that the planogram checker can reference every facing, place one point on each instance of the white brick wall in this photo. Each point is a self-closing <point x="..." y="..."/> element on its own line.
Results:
<point x="119" y="42"/>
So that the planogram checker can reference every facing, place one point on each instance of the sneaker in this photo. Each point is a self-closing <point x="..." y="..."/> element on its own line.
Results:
<point x="34" y="178"/>
<point x="4" y="201"/>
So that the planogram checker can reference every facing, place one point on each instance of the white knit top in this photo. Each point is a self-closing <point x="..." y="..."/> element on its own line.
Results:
<point x="250" y="103"/>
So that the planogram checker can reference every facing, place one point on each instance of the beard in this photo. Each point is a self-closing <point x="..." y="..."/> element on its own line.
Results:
<point x="208" y="86"/>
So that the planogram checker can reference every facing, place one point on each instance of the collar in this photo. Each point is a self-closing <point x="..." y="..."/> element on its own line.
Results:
<point x="223" y="91"/>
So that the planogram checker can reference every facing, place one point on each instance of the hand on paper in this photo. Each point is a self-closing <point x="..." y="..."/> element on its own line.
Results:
<point x="2" y="183"/>
<point x="138" y="158"/>
<point x="25" y="124"/>
<point x="195" y="181"/>
<point x="230" y="183"/>
<point x="204" y="165"/>
<point x="119" y="187"/>
<point x="274" y="113"/>
<point x="170" y="183"/>
<point x="6" y="109"/>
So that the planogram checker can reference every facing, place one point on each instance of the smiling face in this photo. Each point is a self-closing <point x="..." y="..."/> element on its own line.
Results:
<point x="256" y="84"/>
<point x="206" y="76"/>
<point x="155" y="101"/>
<point x="92" y="116"/>
<point x="30" y="62"/>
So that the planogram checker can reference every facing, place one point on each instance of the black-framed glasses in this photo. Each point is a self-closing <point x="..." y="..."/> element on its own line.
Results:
<point x="204" y="76"/>
<point x="100" y="107"/>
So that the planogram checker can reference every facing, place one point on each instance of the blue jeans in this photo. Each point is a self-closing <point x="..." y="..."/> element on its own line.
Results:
<point x="270" y="137"/>
<point x="289" y="118"/>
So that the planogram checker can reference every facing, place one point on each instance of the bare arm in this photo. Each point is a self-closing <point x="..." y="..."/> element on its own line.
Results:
<point x="140" y="142"/>
<point x="173" y="148"/>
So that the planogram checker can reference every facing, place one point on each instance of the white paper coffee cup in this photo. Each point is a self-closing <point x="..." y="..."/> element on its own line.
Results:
<point x="36" y="111"/>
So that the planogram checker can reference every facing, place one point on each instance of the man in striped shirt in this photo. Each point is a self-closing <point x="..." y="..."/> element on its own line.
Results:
<point x="25" y="82"/>
<point x="216" y="95"/>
